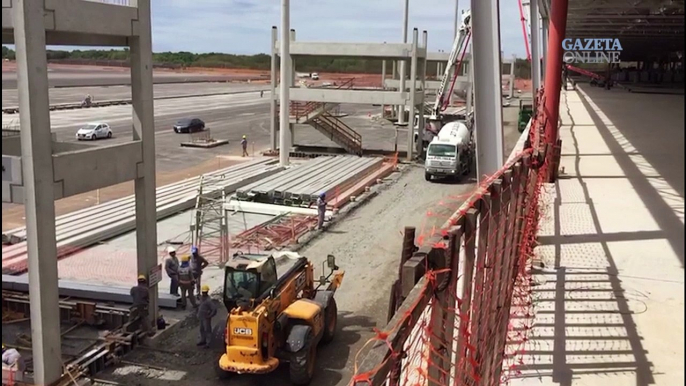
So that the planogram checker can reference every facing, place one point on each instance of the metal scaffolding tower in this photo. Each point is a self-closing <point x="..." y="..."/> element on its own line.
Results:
<point x="209" y="229"/>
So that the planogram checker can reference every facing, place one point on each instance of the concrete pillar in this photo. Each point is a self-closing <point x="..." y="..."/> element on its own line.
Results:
<point x="403" y="64"/>
<point x="470" y="86"/>
<point x="535" y="47"/>
<point x="438" y="70"/>
<point x="272" y="94"/>
<point x="553" y="79"/>
<point x="487" y="91"/>
<point x="420" y="110"/>
<point x="294" y="80"/>
<point x="544" y="46"/>
<point x="456" y="23"/>
<point x="394" y="76"/>
<point x="39" y="194"/>
<point x="144" y="130"/>
<point x="512" y="76"/>
<point x="412" y="103"/>
<point x="284" y="129"/>
<point x="383" y="83"/>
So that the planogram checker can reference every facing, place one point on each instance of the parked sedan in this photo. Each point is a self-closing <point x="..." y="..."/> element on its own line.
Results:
<point x="189" y="125"/>
<point x="93" y="131"/>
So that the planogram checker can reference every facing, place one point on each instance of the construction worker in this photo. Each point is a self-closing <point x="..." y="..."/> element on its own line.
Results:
<point x="244" y="145"/>
<point x="198" y="263"/>
<point x="186" y="282"/>
<point x="321" y="210"/>
<point x="171" y="266"/>
<point x="261" y="93"/>
<point x="206" y="311"/>
<point x="141" y="300"/>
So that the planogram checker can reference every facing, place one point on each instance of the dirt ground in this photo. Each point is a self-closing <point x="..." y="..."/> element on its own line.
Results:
<point x="366" y="245"/>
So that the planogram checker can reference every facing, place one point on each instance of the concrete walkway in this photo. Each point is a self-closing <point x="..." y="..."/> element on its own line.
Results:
<point x="609" y="303"/>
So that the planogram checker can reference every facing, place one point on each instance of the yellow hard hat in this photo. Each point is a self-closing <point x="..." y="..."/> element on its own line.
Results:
<point x="205" y="288"/>
<point x="185" y="258"/>
<point x="141" y="278"/>
<point x="244" y="137"/>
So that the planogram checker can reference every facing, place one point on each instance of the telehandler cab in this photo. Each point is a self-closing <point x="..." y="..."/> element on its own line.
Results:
<point x="276" y="318"/>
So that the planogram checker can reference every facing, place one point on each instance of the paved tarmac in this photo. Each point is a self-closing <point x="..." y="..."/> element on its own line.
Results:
<point x="10" y="97"/>
<point x="61" y="77"/>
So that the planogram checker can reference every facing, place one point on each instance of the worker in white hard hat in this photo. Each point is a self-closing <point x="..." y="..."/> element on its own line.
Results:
<point x="321" y="210"/>
<point x="206" y="311"/>
<point x="244" y="146"/>
<point x="171" y="266"/>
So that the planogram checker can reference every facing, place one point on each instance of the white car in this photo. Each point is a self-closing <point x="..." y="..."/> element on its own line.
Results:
<point x="93" y="131"/>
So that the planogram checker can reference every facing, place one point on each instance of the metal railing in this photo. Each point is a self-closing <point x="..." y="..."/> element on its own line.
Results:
<point x="339" y="132"/>
<point x="299" y="109"/>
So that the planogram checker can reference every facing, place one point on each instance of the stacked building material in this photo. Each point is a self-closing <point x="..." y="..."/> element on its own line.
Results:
<point x="301" y="185"/>
<point x="89" y="226"/>
<point x="274" y="234"/>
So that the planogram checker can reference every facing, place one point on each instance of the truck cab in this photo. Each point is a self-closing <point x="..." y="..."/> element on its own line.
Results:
<point x="450" y="154"/>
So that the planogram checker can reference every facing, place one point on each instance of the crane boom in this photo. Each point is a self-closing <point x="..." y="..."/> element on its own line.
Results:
<point x="460" y="39"/>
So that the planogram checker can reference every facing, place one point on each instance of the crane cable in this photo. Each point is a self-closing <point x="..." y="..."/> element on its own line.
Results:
<point x="458" y="67"/>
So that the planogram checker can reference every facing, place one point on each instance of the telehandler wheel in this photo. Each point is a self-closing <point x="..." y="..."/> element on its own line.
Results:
<point x="427" y="176"/>
<point x="302" y="363"/>
<point x="330" y="321"/>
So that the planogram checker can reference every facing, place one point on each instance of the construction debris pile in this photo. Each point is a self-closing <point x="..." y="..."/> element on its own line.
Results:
<point x="300" y="186"/>
<point x="89" y="226"/>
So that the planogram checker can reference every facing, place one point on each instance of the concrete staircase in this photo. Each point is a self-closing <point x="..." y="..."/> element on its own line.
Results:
<point x="317" y="115"/>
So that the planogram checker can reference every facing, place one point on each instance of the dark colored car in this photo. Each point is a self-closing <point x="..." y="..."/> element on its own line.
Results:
<point x="189" y="125"/>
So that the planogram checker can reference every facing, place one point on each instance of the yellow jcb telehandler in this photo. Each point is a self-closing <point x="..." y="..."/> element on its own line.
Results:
<point x="276" y="318"/>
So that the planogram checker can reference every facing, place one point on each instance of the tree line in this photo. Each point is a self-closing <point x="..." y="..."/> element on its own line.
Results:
<point x="219" y="60"/>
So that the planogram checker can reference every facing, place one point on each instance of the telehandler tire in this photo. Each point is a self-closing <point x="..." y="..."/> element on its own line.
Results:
<point x="218" y="346"/>
<point x="302" y="363"/>
<point x="221" y="373"/>
<point x="330" y="321"/>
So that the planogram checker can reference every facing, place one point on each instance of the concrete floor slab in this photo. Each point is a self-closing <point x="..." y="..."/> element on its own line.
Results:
<point x="609" y="307"/>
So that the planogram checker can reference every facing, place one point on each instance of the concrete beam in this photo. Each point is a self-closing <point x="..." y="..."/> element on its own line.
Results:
<point x="87" y="170"/>
<point x="461" y="84"/>
<point x="376" y="97"/>
<point x="73" y="22"/>
<point x="364" y="50"/>
<point x="443" y="57"/>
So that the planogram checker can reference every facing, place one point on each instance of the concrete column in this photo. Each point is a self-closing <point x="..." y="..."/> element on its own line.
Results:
<point x="272" y="94"/>
<point x="284" y="130"/>
<point x="487" y="91"/>
<point x="383" y="83"/>
<point x="438" y="70"/>
<point x="403" y="64"/>
<point x="394" y="75"/>
<point x="294" y="80"/>
<point x="39" y="194"/>
<point x="456" y="26"/>
<point x="512" y="76"/>
<point x="535" y="47"/>
<point x="144" y="131"/>
<point x="544" y="45"/>
<point x="420" y="110"/>
<point x="470" y="86"/>
<point x="413" y="88"/>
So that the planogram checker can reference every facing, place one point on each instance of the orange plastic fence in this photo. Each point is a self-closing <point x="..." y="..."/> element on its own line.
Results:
<point x="466" y="320"/>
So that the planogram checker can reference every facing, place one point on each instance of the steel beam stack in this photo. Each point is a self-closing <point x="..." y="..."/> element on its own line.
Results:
<point x="89" y="226"/>
<point x="301" y="185"/>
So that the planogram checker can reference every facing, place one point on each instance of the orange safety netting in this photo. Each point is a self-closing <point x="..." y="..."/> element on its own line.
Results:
<point x="466" y="321"/>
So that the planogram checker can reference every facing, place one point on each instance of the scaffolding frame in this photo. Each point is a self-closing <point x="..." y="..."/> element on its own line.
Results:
<point x="209" y="228"/>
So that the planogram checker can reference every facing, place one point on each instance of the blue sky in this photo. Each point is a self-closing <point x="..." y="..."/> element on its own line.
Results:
<point x="243" y="26"/>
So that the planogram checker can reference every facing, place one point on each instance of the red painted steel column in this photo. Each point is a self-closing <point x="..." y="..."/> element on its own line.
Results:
<point x="553" y="77"/>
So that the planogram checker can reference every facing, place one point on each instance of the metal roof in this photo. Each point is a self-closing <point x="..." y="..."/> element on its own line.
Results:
<point x="645" y="28"/>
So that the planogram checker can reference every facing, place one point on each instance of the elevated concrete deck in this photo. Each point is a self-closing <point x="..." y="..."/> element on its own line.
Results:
<point x="609" y="304"/>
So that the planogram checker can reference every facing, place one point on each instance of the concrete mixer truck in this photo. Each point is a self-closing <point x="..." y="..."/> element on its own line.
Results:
<point x="451" y="153"/>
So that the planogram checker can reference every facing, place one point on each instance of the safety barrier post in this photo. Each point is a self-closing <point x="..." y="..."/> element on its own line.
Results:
<point x="465" y="309"/>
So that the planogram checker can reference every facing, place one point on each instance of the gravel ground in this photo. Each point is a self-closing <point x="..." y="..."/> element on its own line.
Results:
<point x="367" y="247"/>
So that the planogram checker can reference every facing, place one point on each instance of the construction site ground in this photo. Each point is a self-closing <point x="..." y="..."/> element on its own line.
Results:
<point x="366" y="244"/>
